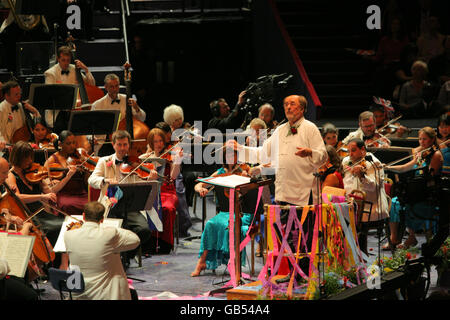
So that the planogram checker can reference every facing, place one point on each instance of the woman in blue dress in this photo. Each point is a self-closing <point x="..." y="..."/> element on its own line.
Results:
<point x="419" y="210"/>
<point x="214" y="246"/>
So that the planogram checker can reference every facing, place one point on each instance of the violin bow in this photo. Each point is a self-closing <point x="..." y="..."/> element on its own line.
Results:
<point x="388" y="123"/>
<point x="412" y="155"/>
<point x="45" y="203"/>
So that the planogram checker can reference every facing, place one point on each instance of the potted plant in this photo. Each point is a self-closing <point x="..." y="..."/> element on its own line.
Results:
<point x="442" y="266"/>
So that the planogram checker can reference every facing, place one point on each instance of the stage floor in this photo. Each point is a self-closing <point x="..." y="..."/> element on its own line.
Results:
<point x="168" y="276"/>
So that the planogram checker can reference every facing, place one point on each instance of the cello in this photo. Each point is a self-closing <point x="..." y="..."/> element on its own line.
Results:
<point x="42" y="249"/>
<point x="136" y="128"/>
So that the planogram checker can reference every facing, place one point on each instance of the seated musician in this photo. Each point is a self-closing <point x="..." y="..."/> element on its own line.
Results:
<point x="381" y="119"/>
<point x="366" y="176"/>
<point x="266" y="112"/>
<point x="331" y="173"/>
<point x="174" y="116"/>
<point x="169" y="200"/>
<point x="71" y="189"/>
<point x="214" y="246"/>
<point x="417" y="208"/>
<point x="367" y="132"/>
<point x="42" y="137"/>
<point x="21" y="159"/>
<point x="94" y="249"/>
<point x="113" y="100"/>
<point x="107" y="171"/>
<point x="330" y="136"/>
<point x="12" y="111"/>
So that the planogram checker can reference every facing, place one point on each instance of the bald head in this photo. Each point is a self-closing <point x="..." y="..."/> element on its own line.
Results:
<point x="4" y="170"/>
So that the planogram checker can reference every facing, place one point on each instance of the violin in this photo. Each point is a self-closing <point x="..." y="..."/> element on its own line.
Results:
<point x="37" y="172"/>
<point x="74" y="225"/>
<point x="47" y="142"/>
<point x="323" y="169"/>
<point x="134" y="165"/>
<point x="84" y="160"/>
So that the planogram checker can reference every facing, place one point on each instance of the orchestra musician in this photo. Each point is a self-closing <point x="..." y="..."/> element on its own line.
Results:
<point x="174" y="116"/>
<point x="113" y="100"/>
<point x="12" y="111"/>
<point x="107" y="171"/>
<point x="11" y="287"/>
<point x="169" y="200"/>
<point x="363" y="172"/>
<point x="42" y="137"/>
<point x="331" y="173"/>
<point x="214" y="246"/>
<point x="367" y="132"/>
<point x="381" y="119"/>
<point x="330" y="136"/>
<point x="266" y="112"/>
<point x="418" y="212"/>
<point x="442" y="136"/>
<point x="71" y="189"/>
<point x="64" y="73"/>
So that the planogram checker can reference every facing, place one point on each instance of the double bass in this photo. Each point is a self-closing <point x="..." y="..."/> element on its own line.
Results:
<point x="88" y="94"/>
<point x="137" y="129"/>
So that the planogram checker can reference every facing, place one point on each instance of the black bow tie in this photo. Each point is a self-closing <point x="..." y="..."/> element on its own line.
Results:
<point x="63" y="72"/>
<point x="117" y="100"/>
<point x="125" y="159"/>
<point x="15" y="108"/>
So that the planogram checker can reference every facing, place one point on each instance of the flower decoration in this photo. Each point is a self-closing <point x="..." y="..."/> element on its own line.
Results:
<point x="10" y="117"/>
<point x="109" y="163"/>
<point x="292" y="131"/>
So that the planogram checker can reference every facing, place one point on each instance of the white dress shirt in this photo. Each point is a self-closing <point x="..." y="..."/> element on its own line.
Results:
<point x="95" y="249"/>
<point x="294" y="174"/>
<point x="10" y="121"/>
<point x="372" y="185"/>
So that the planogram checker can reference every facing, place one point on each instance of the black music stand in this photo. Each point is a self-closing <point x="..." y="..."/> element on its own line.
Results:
<point x="54" y="97"/>
<point x="136" y="197"/>
<point x="92" y="122"/>
<point x="386" y="155"/>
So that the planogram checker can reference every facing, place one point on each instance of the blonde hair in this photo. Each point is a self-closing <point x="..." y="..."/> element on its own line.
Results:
<point x="420" y="63"/>
<point x="430" y="133"/>
<point x="258" y="122"/>
<point x="172" y="112"/>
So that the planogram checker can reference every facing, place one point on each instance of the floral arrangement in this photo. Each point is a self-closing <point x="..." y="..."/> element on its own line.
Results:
<point x="398" y="259"/>
<point x="444" y="257"/>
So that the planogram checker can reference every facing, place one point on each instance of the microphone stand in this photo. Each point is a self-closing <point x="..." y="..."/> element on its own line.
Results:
<point x="378" y="195"/>
<point x="321" y="239"/>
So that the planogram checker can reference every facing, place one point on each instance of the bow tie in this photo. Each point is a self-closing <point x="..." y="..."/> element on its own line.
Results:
<point x="117" y="101"/>
<point x="125" y="159"/>
<point x="64" y="72"/>
<point x="15" y="108"/>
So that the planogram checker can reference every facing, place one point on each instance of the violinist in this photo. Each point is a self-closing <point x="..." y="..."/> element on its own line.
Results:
<point x="64" y="73"/>
<point x="113" y="100"/>
<point x="42" y="137"/>
<point x="21" y="159"/>
<point x="169" y="200"/>
<point x="331" y="173"/>
<point x="367" y="132"/>
<point x="330" y="136"/>
<point x="214" y="249"/>
<point x="367" y="176"/>
<point x="174" y="116"/>
<point x="71" y="190"/>
<point x="427" y="155"/>
<point x="12" y="111"/>
<point x="108" y="171"/>
<point x="381" y="119"/>
<point x="266" y="112"/>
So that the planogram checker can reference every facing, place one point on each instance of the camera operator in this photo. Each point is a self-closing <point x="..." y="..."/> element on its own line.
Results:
<point x="224" y="118"/>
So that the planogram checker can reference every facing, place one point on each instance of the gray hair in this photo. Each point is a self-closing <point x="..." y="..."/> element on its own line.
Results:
<point x="172" y="112"/>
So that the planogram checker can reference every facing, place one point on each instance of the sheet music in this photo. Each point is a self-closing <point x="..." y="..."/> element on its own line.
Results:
<point x="60" y="245"/>
<point x="231" y="181"/>
<point x="16" y="250"/>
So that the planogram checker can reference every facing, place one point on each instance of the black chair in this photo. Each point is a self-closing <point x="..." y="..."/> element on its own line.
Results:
<point x="58" y="278"/>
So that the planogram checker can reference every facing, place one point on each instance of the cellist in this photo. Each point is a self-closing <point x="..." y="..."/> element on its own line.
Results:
<point x="15" y="288"/>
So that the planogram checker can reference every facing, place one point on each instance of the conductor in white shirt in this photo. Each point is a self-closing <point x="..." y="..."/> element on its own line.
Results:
<point x="113" y="100"/>
<point x="96" y="251"/>
<point x="296" y="150"/>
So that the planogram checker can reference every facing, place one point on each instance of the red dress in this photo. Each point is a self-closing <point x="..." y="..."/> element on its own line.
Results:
<point x="169" y="202"/>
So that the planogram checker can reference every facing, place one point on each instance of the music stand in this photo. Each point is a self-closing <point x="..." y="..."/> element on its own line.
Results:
<point x="92" y="122"/>
<point x="386" y="155"/>
<point x="136" y="197"/>
<point x="54" y="97"/>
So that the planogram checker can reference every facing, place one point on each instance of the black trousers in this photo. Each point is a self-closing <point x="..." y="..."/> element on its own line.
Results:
<point x="16" y="289"/>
